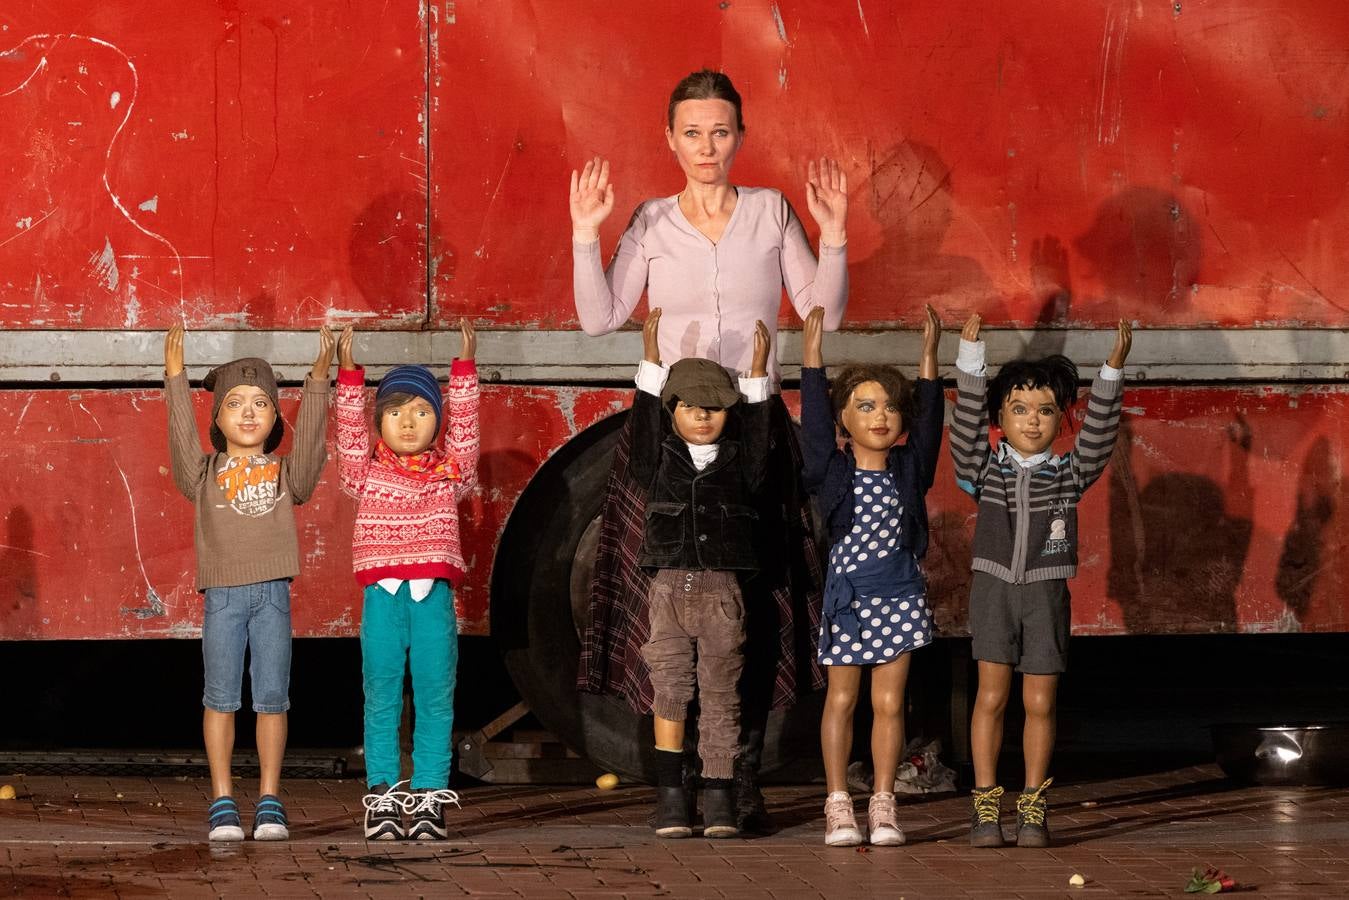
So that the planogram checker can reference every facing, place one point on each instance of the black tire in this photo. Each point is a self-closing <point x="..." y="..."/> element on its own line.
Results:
<point x="539" y="585"/>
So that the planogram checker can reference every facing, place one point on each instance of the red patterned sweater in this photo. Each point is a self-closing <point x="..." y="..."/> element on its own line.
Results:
<point x="407" y="528"/>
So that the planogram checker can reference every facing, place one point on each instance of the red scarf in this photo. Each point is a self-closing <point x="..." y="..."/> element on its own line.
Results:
<point x="429" y="465"/>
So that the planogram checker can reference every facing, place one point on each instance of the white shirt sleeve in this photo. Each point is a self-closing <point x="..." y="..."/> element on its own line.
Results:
<point x="754" y="390"/>
<point x="651" y="377"/>
<point x="970" y="357"/>
<point x="1110" y="373"/>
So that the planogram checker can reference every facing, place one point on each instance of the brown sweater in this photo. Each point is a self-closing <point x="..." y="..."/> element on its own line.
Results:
<point x="245" y="521"/>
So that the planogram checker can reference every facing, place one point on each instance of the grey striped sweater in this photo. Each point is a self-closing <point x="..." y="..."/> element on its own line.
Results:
<point x="1027" y="525"/>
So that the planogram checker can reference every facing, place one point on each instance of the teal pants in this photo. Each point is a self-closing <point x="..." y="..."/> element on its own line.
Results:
<point x="399" y="632"/>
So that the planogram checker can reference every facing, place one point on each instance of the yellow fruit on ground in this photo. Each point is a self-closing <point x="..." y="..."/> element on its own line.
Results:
<point x="7" y="792"/>
<point x="607" y="782"/>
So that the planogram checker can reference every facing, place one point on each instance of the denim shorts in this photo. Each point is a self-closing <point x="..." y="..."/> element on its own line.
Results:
<point x="255" y="617"/>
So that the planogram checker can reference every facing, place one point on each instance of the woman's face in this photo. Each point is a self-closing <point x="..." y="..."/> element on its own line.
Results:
<point x="705" y="139"/>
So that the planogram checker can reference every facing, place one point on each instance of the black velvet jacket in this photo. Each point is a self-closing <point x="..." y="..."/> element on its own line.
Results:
<point x="699" y="520"/>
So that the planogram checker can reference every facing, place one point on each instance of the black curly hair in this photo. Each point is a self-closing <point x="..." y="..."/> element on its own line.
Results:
<point x="1057" y="373"/>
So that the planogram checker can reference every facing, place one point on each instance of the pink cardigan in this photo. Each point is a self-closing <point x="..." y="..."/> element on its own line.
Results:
<point x="711" y="294"/>
<point x="406" y="528"/>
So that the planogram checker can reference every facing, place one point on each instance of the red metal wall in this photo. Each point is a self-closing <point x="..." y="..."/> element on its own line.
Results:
<point x="1223" y="510"/>
<point x="264" y="165"/>
<point x="231" y="165"/>
<point x="97" y="541"/>
<point x="1173" y="162"/>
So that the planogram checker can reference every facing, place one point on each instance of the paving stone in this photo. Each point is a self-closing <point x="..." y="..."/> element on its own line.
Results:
<point x="74" y="837"/>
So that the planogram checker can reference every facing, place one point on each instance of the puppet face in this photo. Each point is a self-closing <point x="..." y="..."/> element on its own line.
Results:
<point x="245" y="419"/>
<point x="1030" y="418"/>
<point x="705" y="139"/>
<point x="408" y="429"/>
<point x="871" y="418"/>
<point x="696" y="425"/>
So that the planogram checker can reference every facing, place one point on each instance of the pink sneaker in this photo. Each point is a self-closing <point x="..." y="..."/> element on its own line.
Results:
<point x="840" y="825"/>
<point x="883" y="822"/>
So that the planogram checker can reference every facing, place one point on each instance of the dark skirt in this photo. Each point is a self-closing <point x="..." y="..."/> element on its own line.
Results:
<point x="782" y="602"/>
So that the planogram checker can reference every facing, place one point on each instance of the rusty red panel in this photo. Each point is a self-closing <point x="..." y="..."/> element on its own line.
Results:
<point x="232" y="164"/>
<point x="97" y="541"/>
<point x="1223" y="510"/>
<point x="1059" y="161"/>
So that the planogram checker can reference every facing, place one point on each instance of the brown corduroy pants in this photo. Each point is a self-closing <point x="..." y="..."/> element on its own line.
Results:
<point x="697" y="622"/>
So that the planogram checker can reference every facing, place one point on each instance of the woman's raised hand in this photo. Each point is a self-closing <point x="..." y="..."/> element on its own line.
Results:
<point x="592" y="199"/>
<point x="827" y="198"/>
<point x="173" y="351"/>
<point x="812" y="339"/>
<point x="345" y="360"/>
<point x="651" y="337"/>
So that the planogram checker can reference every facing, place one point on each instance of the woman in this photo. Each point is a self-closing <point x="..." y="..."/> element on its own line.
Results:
<point x="714" y="258"/>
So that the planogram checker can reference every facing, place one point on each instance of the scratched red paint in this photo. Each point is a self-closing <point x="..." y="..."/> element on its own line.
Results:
<point x="1173" y="167"/>
<point x="93" y="523"/>
<point x="255" y="164"/>
<point x="1187" y="531"/>
<point x="263" y="164"/>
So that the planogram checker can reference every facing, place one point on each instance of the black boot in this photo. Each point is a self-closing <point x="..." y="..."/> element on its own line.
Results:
<point x="719" y="815"/>
<point x="750" y="814"/>
<point x="672" y="813"/>
<point x="674" y="802"/>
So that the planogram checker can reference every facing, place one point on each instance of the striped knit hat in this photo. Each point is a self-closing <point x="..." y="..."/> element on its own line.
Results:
<point x="415" y="380"/>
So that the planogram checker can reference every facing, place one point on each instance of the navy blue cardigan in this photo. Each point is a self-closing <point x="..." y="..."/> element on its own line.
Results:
<point x="828" y="471"/>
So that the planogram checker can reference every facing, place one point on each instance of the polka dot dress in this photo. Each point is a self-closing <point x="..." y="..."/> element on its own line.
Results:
<point x="888" y="613"/>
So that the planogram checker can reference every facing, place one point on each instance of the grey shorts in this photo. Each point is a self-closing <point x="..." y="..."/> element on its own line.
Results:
<point x="1021" y="625"/>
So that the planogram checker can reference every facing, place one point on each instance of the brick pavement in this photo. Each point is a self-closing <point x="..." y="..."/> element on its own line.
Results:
<point x="1137" y="837"/>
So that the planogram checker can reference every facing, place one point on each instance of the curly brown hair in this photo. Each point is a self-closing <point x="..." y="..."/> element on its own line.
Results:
<point x="897" y="389"/>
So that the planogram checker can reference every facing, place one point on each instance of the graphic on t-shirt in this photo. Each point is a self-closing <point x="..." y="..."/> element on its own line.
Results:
<point x="251" y="484"/>
<point x="1057" y="542"/>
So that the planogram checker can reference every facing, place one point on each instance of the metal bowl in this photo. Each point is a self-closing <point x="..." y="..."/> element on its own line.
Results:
<point x="1284" y="754"/>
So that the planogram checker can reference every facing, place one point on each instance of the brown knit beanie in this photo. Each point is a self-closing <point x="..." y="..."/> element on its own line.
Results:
<point x="223" y="379"/>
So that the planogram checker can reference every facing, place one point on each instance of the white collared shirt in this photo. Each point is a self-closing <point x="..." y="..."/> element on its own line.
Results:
<point x="419" y="587"/>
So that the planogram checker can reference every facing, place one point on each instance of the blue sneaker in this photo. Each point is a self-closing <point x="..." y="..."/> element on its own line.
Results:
<point x="269" y="820"/>
<point x="223" y="818"/>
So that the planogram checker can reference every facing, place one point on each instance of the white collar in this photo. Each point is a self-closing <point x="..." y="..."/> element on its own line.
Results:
<point x="702" y="454"/>
<point x="1026" y="462"/>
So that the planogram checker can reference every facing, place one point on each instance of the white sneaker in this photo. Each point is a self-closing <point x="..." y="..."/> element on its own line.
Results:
<point x="883" y="821"/>
<point x="840" y="824"/>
